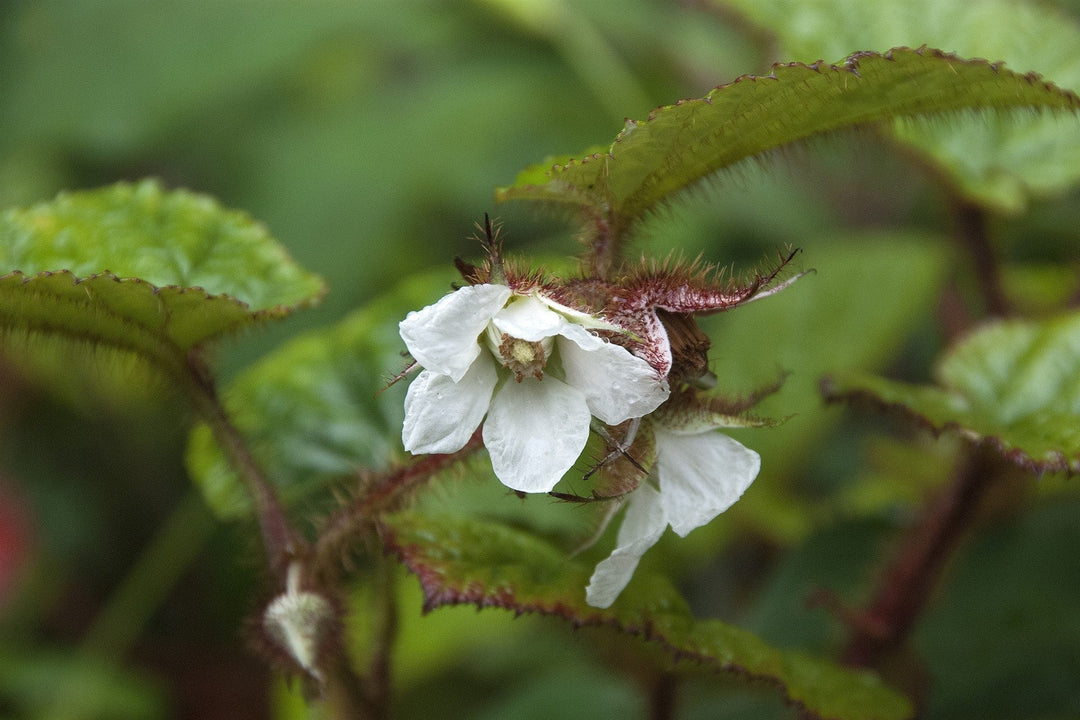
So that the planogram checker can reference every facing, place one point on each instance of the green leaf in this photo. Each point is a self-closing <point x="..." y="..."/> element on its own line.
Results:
<point x="142" y="269"/>
<point x="461" y="561"/>
<point x="38" y="681"/>
<point x="870" y="292"/>
<point x="1013" y="385"/>
<point x="682" y="144"/>
<point x="997" y="162"/>
<point x="314" y="410"/>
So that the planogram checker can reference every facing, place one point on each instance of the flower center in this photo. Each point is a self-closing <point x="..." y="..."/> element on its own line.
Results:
<point x="522" y="357"/>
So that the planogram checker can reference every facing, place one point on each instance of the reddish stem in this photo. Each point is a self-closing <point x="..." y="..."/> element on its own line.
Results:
<point x="282" y="543"/>
<point x="971" y="229"/>
<point x="382" y="494"/>
<point x="662" y="697"/>
<point x="907" y="583"/>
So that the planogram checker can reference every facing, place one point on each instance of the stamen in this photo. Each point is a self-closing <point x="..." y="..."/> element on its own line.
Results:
<point x="522" y="357"/>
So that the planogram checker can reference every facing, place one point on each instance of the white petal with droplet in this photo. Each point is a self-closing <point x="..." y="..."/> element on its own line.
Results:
<point x="617" y="384"/>
<point x="444" y="337"/>
<point x="440" y="414"/>
<point x="526" y="318"/>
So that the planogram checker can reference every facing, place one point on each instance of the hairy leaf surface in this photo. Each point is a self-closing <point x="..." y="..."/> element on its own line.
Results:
<point x="1014" y="385"/>
<point x="681" y="144"/>
<point x="998" y="162"/>
<point x="462" y="561"/>
<point x="149" y="271"/>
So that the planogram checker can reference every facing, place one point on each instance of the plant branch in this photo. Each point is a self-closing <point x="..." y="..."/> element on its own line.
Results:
<point x="605" y="245"/>
<point x="381" y="493"/>
<point x="377" y="690"/>
<point x="283" y="544"/>
<point x="970" y="222"/>
<point x="908" y="581"/>
<point x="662" y="697"/>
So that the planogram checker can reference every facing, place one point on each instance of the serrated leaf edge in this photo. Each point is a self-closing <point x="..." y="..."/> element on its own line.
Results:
<point x="438" y="594"/>
<point x="1056" y="461"/>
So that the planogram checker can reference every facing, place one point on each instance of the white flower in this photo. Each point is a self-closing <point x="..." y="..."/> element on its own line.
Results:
<point x="487" y="350"/>
<point x="701" y="474"/>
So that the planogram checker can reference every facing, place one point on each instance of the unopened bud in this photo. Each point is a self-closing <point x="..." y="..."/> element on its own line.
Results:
<point x="298" y="622"/>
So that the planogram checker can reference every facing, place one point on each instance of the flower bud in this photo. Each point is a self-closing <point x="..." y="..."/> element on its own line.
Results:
<point x="299" y="622"/>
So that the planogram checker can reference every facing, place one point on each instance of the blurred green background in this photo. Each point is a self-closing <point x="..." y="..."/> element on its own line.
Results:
<point x="368" y="137"/>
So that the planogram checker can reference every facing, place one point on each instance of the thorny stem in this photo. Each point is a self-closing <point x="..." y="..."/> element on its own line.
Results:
<point x="281" y="541"/>
<point x="605" y="245"/>
<point x="344" y="694"/>
<point x="907" y="583"/>
<point x="970" y="226"/>
<point x="344" y="697"/>
<point x="380" y="494"/>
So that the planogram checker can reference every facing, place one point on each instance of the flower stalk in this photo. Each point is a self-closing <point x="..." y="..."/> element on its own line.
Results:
<point x="281" y="541"/>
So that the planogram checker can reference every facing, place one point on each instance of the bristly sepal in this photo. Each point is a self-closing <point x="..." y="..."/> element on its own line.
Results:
<point x="698" y="288"/>
<point x="657" y="306"/>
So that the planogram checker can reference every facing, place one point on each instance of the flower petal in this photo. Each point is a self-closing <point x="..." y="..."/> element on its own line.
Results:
<point x="617" y="384"/>
<point x="641" y="528"/>
<point x="528" y="319"/>
<point x="535" y="431"/>
<point x="701" y="475"/>
<point x="443" y="337"/>
<point x="441" y="414"/>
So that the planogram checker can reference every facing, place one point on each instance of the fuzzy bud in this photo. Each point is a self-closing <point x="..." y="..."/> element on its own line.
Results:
<point x="299" y="621"/>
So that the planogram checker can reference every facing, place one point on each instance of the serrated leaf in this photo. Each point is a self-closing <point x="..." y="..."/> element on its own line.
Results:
<point x="313" y="410"/>
<point x="149" y="271"/>
<point x="684" y="143"/>
<point x="1013" y="385"/>
<point x="462" y="561"/>
<point x="997" y="162"/>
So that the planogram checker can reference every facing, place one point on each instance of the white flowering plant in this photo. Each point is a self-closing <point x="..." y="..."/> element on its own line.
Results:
<point x="522" y="435"/>
<point x="537" y="363"/>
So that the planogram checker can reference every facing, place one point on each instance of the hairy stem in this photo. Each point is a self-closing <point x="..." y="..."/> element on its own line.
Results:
<point x="379" y="494"/>
<point x="604" y="245"/>
<point x="281" y="541"/>
<point x="908" y="581"/>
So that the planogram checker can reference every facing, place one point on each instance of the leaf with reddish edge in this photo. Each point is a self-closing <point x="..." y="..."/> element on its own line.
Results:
<point x="472" y="562"/>
<point x="1012" y="385"/>
<point x="682" y="144"/>
<point x="145" y="270"/>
